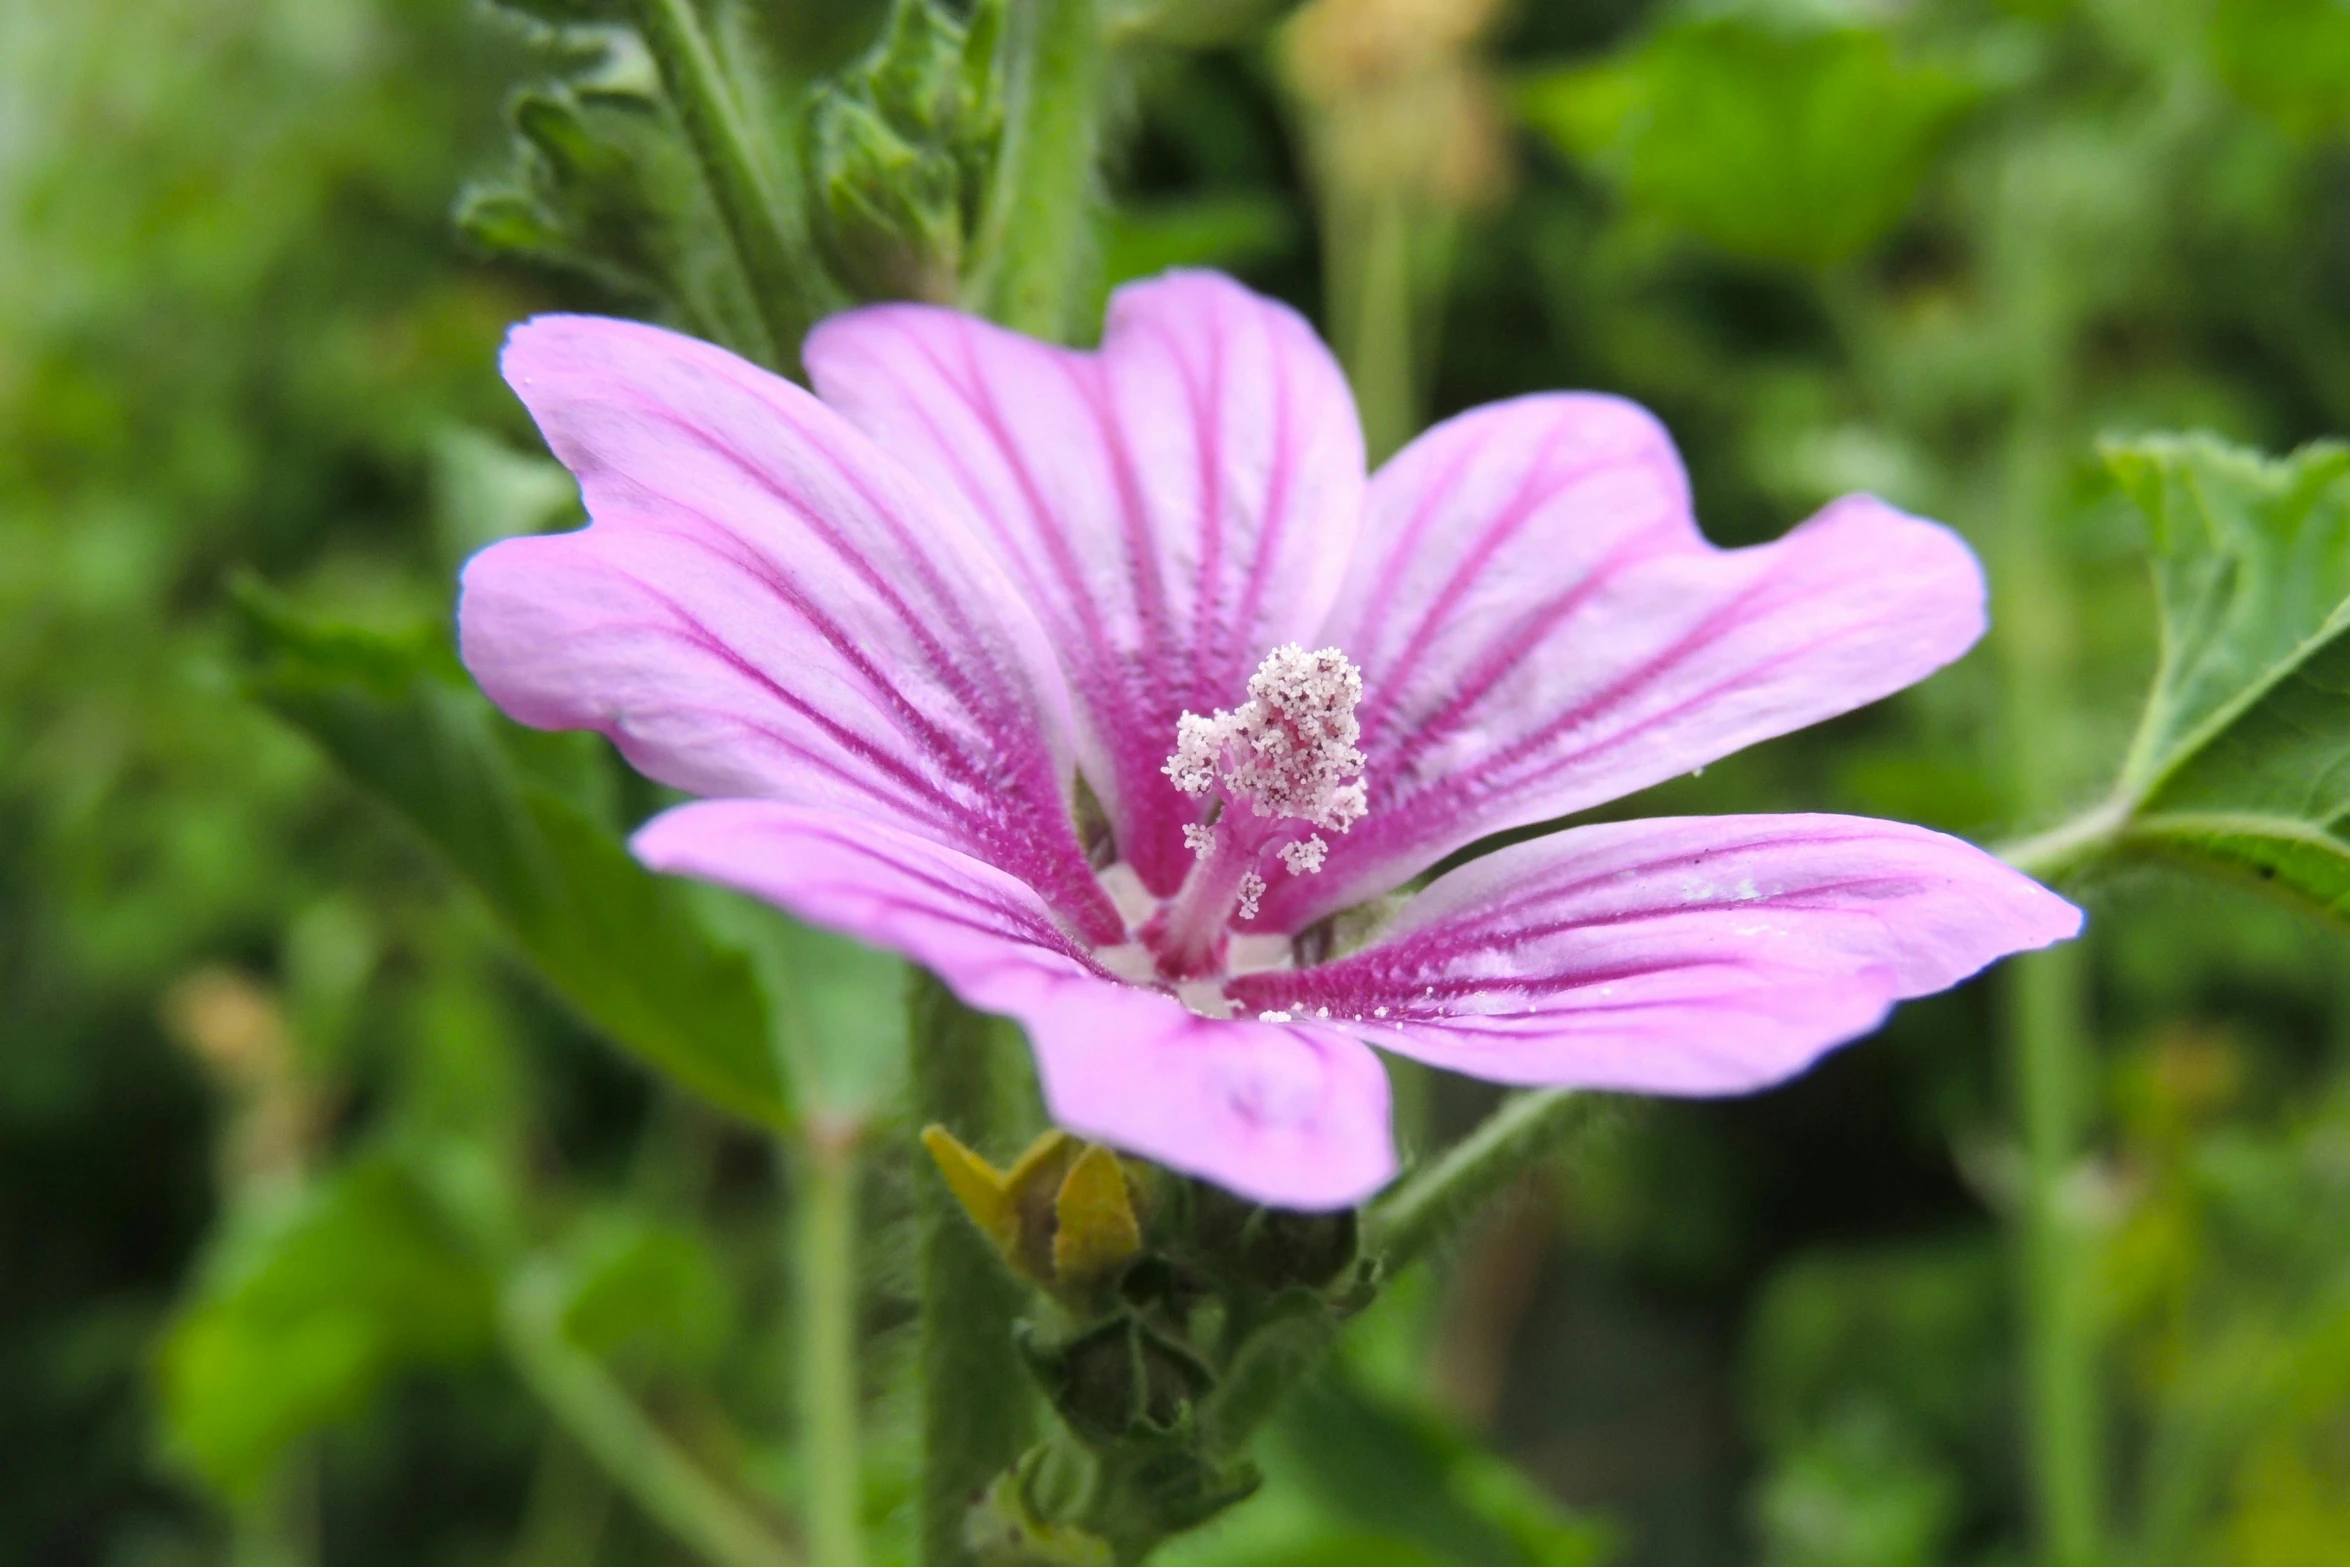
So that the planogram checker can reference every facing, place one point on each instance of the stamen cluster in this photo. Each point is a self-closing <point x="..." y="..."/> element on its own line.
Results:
<point x="1289" y="750"/>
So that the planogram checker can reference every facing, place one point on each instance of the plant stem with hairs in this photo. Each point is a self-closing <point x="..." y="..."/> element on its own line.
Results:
<point x="752" y="196"/>
<point x="1035" y="235"/>
<point x="826" y="1247"/>
<point x="2045" y="1001"/>
<point x="977" y="1403"/>
<point x="673" y="1490"/>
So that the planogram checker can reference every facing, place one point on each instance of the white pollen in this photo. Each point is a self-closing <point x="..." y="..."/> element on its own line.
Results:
<point x="1252" y="892"/>
<point x="1199" y="838"/>
<point x="1289" y="750"/>
<point x="1378" y="1012"/>
<point x="1304" y="858"/>
<point x="1273" y="1017"/>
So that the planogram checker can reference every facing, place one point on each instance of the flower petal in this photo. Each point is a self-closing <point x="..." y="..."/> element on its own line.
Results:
<point x="1542" y="628"/>
<point x="1292" y="1115"/>
<point x="1173" y="506"/>
<point x="1691" y="955"/>
<point x="766" y="604"/>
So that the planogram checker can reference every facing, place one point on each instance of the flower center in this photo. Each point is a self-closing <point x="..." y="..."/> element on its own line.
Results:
<point x="1270" y="771"/>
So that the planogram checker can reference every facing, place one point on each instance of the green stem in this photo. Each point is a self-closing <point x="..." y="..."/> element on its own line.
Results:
<point x="826" y="1197"/>
<point x="977" y="1404"/>
<point x="278" y="1527"/>
<point x="570" y="1508"/>
<point x="2073" y="847"/>
<point x="1277" y="1357"/>
<point x="1436" y="1201"/>
<point x="2045" y="1008"/>
<point x="1367" y="264"/>
<point x="674" y="1491"/>
<point x="1035" y="235"/>
<point x="760" y="222"/>
<point x="2046" y="1004"/>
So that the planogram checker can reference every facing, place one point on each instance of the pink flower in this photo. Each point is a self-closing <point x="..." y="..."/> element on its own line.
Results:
<point x="886" y="632"/>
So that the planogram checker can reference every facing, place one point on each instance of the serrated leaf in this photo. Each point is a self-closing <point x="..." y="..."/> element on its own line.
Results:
<point x="1783" y="142"/>
<point x="601" y="184"/>
<point x="2242" y="761"/>
<point x="306" y="1310"/>
<point x="624" y="947"/>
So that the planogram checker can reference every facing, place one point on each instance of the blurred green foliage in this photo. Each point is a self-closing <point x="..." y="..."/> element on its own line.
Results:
<point x="259" y="1297"/>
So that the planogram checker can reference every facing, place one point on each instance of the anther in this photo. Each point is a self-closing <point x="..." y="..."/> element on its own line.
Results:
<point x="1289" y="753"/>
<point x="1289" y="750"/>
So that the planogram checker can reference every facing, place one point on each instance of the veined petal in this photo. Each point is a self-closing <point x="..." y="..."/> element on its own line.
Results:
<point x="766" y="604"/>
<point x="1691" y="955"/>
<point x="1541" y="628"/>
<point x="1294" y="1115"/>
<point x="1173" y="506"/>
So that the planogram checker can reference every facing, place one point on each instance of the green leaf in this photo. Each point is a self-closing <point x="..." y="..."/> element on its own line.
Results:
<point x="306" y="1309"/>
<point x="2242" y="761"/>
<point x="2286" y="59"/>
<point x="644" y="1292"/>
<point x="1781" y="142"/>
<point x="601" y="183"/>
<point x="621" y="945"/>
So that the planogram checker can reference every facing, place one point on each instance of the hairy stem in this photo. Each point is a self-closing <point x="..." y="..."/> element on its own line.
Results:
<point x="2046" y="1008"/>
<point x="760" y="221"/>
<point x="826" y="1198"/>
<point x="1036" y="233"/>
<point x="977" y="1405"/>
<point x="674" y="1491"/>
<point x="1436" y="1201"/>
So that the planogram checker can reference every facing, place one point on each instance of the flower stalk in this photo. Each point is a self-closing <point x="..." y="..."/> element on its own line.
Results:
<point x="760" y="222"/>
<point x="826" y="1252"/>
<point x="674" y="1491"/>
<point x="2045" y="1010"/>
<point x="1437" y="1201"/>
<point x="1035" y="234"/>
<point x="977" y="1404"/>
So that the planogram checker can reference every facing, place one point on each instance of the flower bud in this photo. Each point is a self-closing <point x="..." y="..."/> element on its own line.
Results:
<point x="1260" y="1248"/>
<point x="1119" y="1380"/>
<point x="898" y="149"/>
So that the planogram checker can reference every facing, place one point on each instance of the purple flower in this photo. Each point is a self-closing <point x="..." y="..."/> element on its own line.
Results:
<point x="887" y="632"/>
